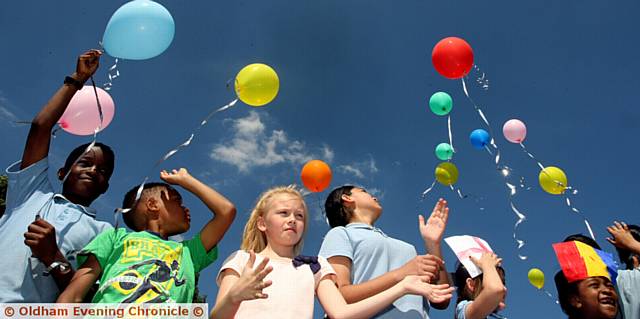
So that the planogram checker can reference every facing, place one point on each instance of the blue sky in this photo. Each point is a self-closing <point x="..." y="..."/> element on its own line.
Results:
<point x="355" y="79"/>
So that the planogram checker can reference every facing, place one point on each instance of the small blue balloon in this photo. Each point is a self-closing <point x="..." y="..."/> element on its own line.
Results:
<point x="479" y="138"/>
<point x="139" y="30"/>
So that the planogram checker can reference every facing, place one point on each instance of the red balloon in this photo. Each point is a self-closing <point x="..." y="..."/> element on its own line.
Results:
<point x="452" y="57"/>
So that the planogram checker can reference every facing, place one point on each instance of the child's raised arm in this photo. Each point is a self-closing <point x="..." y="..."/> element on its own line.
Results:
<point x="37" y="145"/>
<point x="432" y="232"/>
<point x="622" y="237"/>
<point x="235" y="289"/>
<point x="82" y="281"/>
<point x="336" y="307"/>
<point x="492" y="291"/>
<point x="222" y="208"/>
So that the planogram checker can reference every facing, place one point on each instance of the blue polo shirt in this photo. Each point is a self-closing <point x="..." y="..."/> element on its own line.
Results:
<point x="373" y="254"/>
<point x="628" y="282"/>
<point x="29" y="192"/>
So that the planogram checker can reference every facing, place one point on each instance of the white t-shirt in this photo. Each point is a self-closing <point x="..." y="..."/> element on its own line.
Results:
<point x="291" y="293"/>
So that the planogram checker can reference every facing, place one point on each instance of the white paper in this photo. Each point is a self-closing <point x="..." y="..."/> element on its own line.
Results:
<point x="465" y="246"/>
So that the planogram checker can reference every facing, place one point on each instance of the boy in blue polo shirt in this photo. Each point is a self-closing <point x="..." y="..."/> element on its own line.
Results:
<point x="368" y="261"/>
<point x="41" y="229"/>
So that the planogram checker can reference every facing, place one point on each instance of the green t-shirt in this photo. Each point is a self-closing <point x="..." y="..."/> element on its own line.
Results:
<point x="142" y="267"/>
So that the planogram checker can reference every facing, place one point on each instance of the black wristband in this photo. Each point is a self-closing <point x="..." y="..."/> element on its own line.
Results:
<point x="75" y="83"/>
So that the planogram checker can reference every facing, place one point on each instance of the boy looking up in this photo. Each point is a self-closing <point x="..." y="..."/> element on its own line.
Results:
<point x="144" y="266"/>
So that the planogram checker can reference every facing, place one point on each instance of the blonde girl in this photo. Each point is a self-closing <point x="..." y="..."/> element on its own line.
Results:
<point x="275" y="230"/>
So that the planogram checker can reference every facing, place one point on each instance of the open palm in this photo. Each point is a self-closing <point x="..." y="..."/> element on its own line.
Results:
<point x="433" y="230"/>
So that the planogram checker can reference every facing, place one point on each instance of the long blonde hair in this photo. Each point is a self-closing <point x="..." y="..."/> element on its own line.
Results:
<point x="256" y="240"/>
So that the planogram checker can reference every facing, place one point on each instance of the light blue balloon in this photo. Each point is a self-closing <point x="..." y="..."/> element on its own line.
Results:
<point x="139" y="30"/>
<point x="479" y="138"/>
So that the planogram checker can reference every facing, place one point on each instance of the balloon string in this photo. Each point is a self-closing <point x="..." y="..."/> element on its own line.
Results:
<point x="86" y="150"/>
<point x="479" y="110"/>
<point x="95" y="131"/>
<point x="568" y="190"/>
<point x="482" y="80"/>
<point x="457" y="191"/>
<point x="521" y="218"/>
<point x="531" y="156"/>
<point x="503" y="169"/>
<point x="550" y="296"/>
<point x="450" y="133"/>
<point x="112" y="73"/>
<point x="171" y="153"/>
<point x="426" y="191"/>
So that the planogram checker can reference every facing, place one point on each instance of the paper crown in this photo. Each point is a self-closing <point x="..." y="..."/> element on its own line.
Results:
<point x="580" y="261"/>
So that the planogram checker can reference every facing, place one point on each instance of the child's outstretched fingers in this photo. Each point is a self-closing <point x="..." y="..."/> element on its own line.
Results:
<point x="433" y="229"/>
<point x="621" y="236"/>
<point x="251" y="282"/>
<point x="175" y="177"/>
<point x="440" y="293"/>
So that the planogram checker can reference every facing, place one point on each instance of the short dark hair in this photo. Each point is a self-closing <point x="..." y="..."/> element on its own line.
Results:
<point x="131" y="218"/>
<point x="337" y="214"/>
<point x="626" y="257"/>
<point x="565" y="291"/>
<point x="79" y="151"/>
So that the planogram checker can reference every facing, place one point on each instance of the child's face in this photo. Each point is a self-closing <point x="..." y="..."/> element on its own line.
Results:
<point x="365" y="201"/>
<point x="89" y="177"/>
<point x="283" y="220"/>
<point x="596" y="298"/>
<point x="176" y="217"/>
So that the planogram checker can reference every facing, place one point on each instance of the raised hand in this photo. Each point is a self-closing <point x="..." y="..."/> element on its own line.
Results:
<point x="87" y="65"/>
<point x="176" y="177"/>
<point x="251" y="282"/>
<point x="486" y="261"/>
<point x="433" y="230"/>
<point x="622" y="237"/>
<point x="418" y="285"/>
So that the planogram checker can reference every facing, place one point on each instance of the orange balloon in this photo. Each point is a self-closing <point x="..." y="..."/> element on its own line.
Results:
<point x="316" y="175"/>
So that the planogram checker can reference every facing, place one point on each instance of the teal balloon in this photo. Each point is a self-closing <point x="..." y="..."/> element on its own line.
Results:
<point x="440" y="103"/>
<point x="139" y="30"/>
<point x="444" y="151"/>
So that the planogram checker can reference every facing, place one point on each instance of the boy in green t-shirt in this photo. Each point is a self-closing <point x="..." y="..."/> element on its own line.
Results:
<point x="144" y="266"/>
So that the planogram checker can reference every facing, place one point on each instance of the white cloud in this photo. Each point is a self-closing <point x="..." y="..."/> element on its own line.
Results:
<point x="5" y="111"/>
<point x="327" y="153"/>
<point x="253" y="145"/>
<point x="350" y="169"/>
<point x="360" y="169"/>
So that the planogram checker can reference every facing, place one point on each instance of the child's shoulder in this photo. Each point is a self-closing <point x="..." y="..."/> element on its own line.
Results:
<point x="239" y="256"/>
<point x="461" y="307"/>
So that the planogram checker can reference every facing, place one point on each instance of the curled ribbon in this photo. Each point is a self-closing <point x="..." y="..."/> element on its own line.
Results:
<point x="568" y="190"/>
<point x="503" y="169"/>
<point x="171" y="153"/>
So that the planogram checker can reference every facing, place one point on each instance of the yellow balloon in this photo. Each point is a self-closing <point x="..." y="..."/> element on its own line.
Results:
<point x="553" y="180"/>
<point x="447" y="173"/>
<point x="536" y="277"/>
<point x="257" y="84"/>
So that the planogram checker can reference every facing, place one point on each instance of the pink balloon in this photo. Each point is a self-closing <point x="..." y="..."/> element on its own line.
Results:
<point x="82" y="116"/>
<point x="514" y="131"/>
